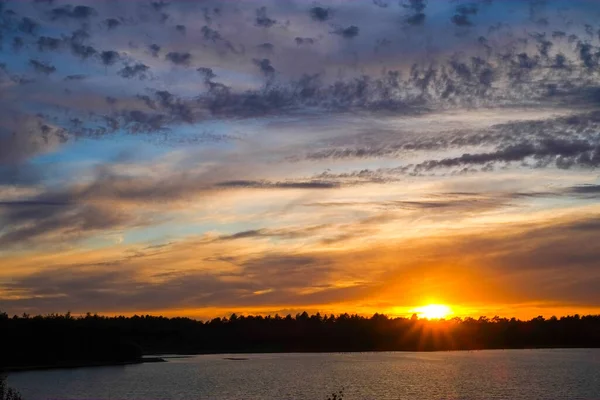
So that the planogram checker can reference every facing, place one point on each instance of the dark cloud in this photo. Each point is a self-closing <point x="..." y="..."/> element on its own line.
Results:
<point x="210" y="34"/>
<point x="28" y="26"/>
<point x="24" y="136"/>
<point x="109" y="57"/>
<point x="467" y="9"/>
<point x="178" y="58"/>
<point x="265" y="67"/>
<point x="41" y="67"/>
<point x="177" y="108"/>
<point x="302" y="41"/>
<point x="77" y="77"/>
<point x="416" y="10"/>
<point x="207" y="73"/>
<point x="154" y="49"/>
<point x="588" y="55"/>
<point x="181" y="29"/>
<point x="46" y="43"/>
<point x="463" y="13"/>
<point x="417" y="6"/>
<point x="159" y="5"/>
<point x="348" y="33"/>
<point x="266" y="47"/>
<point x="80" y="35"/>
<point x="112" y="23"/>
<point x="561" y="152"/>
<point x="320" y="13"/>
<point x="381" y="3"/>
<point x="592" y="190"/>
<point x="262" y="19"/>
<point x="137" y="70"/>
<point x="68" y="11"/>
<point x="17" y="44"/>
<point x="82" y="51"/>
<point x="556" y="142"/>
<point x="461" y="20"/>
<point x="55" y="222"/>
<point x="415" y="19"/>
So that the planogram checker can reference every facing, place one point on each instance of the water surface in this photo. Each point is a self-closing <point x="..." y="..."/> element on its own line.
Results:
<point x="498" y="374"/>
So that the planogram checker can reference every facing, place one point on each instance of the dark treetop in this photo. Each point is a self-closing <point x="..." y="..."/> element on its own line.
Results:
<point x="63" y="339"/>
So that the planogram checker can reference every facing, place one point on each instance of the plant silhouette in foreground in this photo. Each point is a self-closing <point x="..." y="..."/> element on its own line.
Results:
<point x="7" y="393"/>
<point x="339" y="395"/>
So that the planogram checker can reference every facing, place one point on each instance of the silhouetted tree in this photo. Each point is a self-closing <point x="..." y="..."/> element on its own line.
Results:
<point x="56" y="340"/>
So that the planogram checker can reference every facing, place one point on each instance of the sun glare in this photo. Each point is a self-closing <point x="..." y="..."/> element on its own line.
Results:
<point x="433" y="311"/>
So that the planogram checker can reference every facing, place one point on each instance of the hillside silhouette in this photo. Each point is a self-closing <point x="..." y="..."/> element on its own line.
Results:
<point x="56" y="340"/>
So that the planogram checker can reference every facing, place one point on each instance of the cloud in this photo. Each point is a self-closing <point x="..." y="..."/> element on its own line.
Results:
<point x="412" y="98"/>
<point x="17" y="44"/>
<point x="463" y="13"/>
<point x="46" y="43"/>
<point x="181" y="29"/>
<point x="178" y="58"/>
<point x="42" y="67"/>
<point x="207" y="73"/>
<point x="210" y="34"/>
<point x="496" y="267"/>
<point x="262" y="19"/>
<point x="23" y="136"/>
<point x="586" y="190"/>
<point x="320" y="13"/>
<point x="415" y="19"/>
<point x="138" y="70"/>
<point x="301" y="41"/>
<point x="267" y="47"/>
<point x="76" y="77"/>
<point x="84" y="52"/>
<point x="381" y="3"/>
<point x="28" y="26"/>
<point x="68" y="12"/>
<point x="563" y="153"/>
<point x="265" y="67"/>
<point x="154" y="49"/>
<point x="416" y="15"/>
<point x="109" y="57"/>
<point x="278" y="185"/>
<point x="112" y="23"/>
<point x="41" y="222"/>
<point x="348" y="33"/>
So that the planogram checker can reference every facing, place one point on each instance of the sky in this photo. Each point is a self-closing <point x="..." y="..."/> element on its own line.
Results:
<point x="198" y="158"/>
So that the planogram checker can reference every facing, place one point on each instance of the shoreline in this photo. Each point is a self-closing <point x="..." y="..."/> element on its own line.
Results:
<point x="224" y="353"/>
<point x="149" y="359"/>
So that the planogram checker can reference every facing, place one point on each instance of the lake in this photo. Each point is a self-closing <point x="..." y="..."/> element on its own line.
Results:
<point x="493" y="374"/>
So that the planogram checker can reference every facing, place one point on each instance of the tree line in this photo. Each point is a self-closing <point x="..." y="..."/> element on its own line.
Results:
<point x="55" y="338"/>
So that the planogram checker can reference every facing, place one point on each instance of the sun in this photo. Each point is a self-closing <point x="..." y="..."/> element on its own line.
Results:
<point x="433" y="311"/>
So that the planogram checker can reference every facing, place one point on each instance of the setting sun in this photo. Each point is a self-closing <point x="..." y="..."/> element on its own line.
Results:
<point x="433" y="311"/>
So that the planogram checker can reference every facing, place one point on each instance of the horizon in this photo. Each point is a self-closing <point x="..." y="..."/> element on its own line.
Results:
<point x="261" y="157"/>
<point x="235" y="315"/>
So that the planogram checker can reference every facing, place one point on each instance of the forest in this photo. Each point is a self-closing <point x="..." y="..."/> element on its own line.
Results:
<point x="55" y="340"/>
